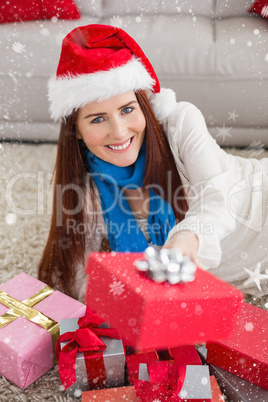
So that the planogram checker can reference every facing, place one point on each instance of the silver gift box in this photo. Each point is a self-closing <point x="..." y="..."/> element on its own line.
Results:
<point x="113" y="357"/>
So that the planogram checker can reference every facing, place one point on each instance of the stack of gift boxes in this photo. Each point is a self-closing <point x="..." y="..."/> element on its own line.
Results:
<point x="137" y="340"/>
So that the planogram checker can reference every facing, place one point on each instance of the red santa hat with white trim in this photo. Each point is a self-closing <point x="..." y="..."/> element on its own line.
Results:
<point x="98" y="62"/>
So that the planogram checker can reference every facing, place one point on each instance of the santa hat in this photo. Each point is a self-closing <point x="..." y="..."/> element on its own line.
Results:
<point x="98" y="62"/>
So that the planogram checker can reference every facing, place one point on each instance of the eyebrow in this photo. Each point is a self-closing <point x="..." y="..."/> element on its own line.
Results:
<point x="104" y="113"/>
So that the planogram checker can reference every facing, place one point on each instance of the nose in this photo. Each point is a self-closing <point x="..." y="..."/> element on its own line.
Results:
<point x="118" y="129"/>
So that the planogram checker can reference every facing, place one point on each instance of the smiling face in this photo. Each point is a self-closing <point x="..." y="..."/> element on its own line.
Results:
<point x="114" y="129"/>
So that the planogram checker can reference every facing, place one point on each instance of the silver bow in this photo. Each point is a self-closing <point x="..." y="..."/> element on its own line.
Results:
<point x="167" y="265"/>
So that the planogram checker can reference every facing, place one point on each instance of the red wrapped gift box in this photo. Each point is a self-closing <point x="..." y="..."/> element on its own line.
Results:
<point x="216" y="393"/>
<point x="245" y="352"/>
<point x="183" y="355"/>
<point x="126" y="394"/>
<point x="134" y="360"/>
<point x="159" y="315"/>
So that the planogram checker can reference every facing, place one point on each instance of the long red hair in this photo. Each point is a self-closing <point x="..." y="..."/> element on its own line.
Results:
<point x="65" y="249"/>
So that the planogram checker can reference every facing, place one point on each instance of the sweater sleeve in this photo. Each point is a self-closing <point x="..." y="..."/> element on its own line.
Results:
<point x="206" y="166"/>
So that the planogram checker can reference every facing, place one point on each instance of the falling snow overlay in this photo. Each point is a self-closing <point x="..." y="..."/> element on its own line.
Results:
<point x="132" y="322"/>
<point x="255" y="148"/>
<point x="204" y="381"/>
<point x="198" y="310"/>
<point x="255" y="276"/>
<point x="244" y="255"/>
<point x="18" y="47"/>
<point x="183" y="394"/>
<point x="224" y="132"/>
<point x="249" y="327"/>
<point x="117" y="288"/>
<point x="22" y="251"/>
<point x="232" y="115"/>
<point x="116" y="21"/>
<point x="223" y="74"/>
<point x="173" y="326"/>
<point x="264" y="11"/>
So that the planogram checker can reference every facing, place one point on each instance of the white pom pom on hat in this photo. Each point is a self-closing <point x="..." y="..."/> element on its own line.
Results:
<point x="98" y="62"/>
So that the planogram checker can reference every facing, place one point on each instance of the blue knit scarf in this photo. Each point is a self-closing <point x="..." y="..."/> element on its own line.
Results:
<point x="123" y="231"/>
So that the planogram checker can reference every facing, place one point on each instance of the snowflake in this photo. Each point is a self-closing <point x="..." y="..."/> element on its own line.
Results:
<point x="65" y="242"/>
<point x="232" y="115"/>
<point x="156" y="400"/>
<point x="117" y="288"/>
<point x="244" y="255"/>
<point x="256" y="147"/>
<point x="173" y="326"/>
<point x="116" y="21"/>
<point x="249" y="326"/>
<point x="224" y="132"/>
<point x="77" y="393"/>
<point x="198" y="310"/>
<point x="204" y="380"/>
<point x="266" y="57"/>
<point x="136" y="331"/>
<point x="44" y="32"/>
<point x="18" y="47"/>
<point x="13" y="78"/>
<point x="132" y="322"/>
<point x="264" y="11"/>
<point x="183" y="394"/>
<point x="255" y="276"/>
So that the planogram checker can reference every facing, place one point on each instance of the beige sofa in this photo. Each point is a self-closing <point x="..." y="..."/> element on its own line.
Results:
<point x="213" y="53"/>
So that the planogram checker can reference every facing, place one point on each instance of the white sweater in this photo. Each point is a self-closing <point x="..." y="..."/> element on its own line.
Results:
<point x="228" y="199"/>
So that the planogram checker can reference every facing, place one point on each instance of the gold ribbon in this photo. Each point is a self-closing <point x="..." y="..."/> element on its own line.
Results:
<point x="25" y="309"/>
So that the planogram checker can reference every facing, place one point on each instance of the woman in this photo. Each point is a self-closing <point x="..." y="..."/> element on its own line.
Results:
<point x="134" y="167"/>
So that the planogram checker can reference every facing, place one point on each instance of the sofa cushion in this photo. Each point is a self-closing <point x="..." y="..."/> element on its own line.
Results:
<point x="232" y="8"/>
<point x="141" y="7"/>
<point x="163" y="40"/>
<point x="25" y="10"/>
<point x="260" y="7"/>
<point x="27" y="54"/>
<point x="90" y="7"/>
<point x="241" y="48"/>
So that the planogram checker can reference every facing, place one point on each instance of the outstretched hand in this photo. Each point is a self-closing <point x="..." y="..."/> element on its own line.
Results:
<point x="187" y="242"/>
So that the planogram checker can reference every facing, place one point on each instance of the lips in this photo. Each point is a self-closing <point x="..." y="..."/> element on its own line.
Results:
<point x="120" y="146"/>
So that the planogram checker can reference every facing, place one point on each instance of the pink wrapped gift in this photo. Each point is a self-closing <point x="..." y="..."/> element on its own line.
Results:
<point x="26" y="348"/>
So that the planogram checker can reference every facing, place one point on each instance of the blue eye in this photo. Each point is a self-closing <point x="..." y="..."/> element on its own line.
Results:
<point x="127" y="110"/>
<point x="97" y="120"/>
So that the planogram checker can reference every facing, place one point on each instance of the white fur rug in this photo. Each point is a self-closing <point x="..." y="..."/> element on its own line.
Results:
<point x="25" y="202"/>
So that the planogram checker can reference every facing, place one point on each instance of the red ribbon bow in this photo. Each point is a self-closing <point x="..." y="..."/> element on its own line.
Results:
<point x="85" y="339"/>
<point x="166" y="382"/>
